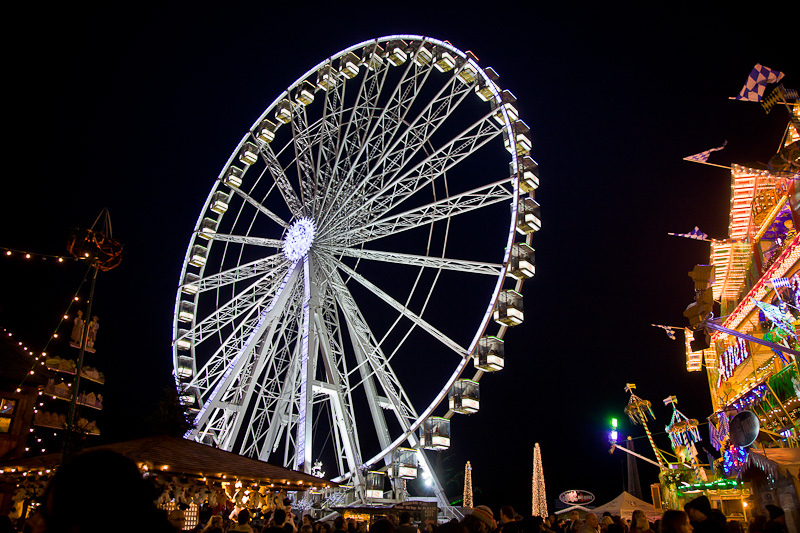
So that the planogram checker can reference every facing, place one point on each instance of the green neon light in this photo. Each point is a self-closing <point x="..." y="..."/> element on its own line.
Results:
<point x="718" y="484"/>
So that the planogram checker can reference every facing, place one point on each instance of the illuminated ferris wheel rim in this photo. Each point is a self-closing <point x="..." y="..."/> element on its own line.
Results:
<point x="299" y="235"/>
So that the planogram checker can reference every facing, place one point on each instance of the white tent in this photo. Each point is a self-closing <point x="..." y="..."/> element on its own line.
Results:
<point x="625" y="504"/>
<point x="580" y="508"/>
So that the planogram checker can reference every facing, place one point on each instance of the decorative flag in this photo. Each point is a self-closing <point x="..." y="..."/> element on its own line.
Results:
<point x="718" y="432"/>
<point x="667" y="329"/>
<point x="757" y="81"/>
<point x="779" y="94"/>
<point x="780" y="282"/>
<point x="709" y="457"/>
<point x="702" y="157"/>
<point x="694" y="234"/>
<point x="781" y="319"/>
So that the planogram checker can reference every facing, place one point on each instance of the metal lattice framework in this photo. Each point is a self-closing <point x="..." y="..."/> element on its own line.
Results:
<point x="356" y="240"/>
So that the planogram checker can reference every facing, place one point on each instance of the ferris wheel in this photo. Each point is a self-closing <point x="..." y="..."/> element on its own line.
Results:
<point x="366" y="239"/>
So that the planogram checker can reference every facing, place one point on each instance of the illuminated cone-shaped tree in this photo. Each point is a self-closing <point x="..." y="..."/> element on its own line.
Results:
<point x="539" y="499"/>
<point x="468" y="486"/>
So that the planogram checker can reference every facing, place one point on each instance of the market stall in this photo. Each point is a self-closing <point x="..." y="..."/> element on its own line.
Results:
<point x="192" y="475"/>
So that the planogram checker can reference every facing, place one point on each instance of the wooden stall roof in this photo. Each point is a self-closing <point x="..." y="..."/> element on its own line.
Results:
<point x="179" y="456"/>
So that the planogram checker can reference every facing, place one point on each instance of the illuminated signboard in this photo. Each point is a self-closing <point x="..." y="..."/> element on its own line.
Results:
<point x="576" y="497"/>
<point x="731" y="358"/>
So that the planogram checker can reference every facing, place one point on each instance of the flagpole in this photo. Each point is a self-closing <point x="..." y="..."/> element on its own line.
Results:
<point x="704" y="163"/>
<point x="692" y="238"/>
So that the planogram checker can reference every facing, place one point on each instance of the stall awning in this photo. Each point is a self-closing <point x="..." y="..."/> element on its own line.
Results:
<point x="179" y="456"/>
<point x="776" y="460"/>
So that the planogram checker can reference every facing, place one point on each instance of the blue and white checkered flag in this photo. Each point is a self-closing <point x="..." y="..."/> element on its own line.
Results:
<point x="718" y="432"/>
<point x="702" y="157"/>
<point x="757" y="81"/>
<point x="780" y="282"/>
<point x="695" y="234"/>
<point x="670" y="331"/>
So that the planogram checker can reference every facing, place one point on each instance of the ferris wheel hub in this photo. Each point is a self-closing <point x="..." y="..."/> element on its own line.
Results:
<point x="299" y="239"/>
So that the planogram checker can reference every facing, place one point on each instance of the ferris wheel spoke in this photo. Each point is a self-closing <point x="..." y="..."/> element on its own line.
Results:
<point x="260" y="207"/>
<point x="254" y="296"/>
<point x="268" y="265"/>
<point x="233" y="353"/>
<point x="303" y="156"/>
<point x="328" y="143"/>
<point x="460" y="265"/>
<point x="373" y="365"/>
<point x="272" y="368"/>
<point x="402" y="309"/>
<point x="444" y="209"/>
<point x="389" y="121"/>
<point x="269" y="409"/>
<point x="361" y="115"/>
<point x="218" y="364"/>
<point x="329" y="334"/>
<point x="279" y="391"/>
<point x="403" y="186"/>
<point x="279" y="176"/>
<point x="408" y="144"/>
<point x="245" y="239"/>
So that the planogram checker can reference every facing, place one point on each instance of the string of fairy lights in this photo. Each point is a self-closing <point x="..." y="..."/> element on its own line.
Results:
<point x="40" y="436"/>
<point x="11" y="253"/>
<point x="468" y="486"/>
<point x="538" y="492"/>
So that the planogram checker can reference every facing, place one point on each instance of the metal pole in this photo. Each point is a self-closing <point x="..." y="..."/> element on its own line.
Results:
<point x="750" y="338"/>
<point x="68" y="444"/>
<point x="661" y="463"/>
<point x="615" y="446"/>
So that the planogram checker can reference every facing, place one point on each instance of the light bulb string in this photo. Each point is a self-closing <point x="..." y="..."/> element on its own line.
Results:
<point x="13" y="252"/>
<point x="58" y="326"/>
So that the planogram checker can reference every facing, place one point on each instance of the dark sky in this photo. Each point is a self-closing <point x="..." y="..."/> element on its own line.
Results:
<point x="136" y="109"/>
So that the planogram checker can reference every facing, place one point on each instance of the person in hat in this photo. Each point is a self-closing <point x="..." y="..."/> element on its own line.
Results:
<point x="480" y="521"/>
<point x="702" y="517"/>
<point x="777" y="520"/>
<point x="78" y="498"/>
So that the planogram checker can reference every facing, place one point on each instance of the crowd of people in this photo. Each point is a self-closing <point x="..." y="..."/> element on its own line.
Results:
<point x="697" y="517"/>
<point x="103" y="491"/>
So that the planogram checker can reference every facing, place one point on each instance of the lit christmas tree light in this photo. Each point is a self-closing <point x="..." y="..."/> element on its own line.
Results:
<point x="468" y="486"/>
<point x="539" y="498"/>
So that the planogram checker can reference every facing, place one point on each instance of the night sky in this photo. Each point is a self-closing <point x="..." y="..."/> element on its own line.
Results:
<point x="136" y="109"/>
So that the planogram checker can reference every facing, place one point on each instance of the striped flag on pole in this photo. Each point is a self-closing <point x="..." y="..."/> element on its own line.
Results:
<point x="695" y="234"/>
<point x="702" y="157"/>
<point x="757" y="81"/>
